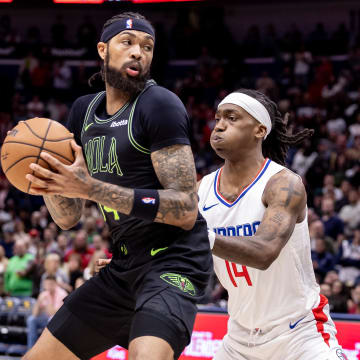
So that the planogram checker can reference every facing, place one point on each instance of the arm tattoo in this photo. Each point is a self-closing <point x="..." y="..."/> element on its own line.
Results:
<point x="113" y="196"/>
<point x="175" y="169"/>
<point x="291" y="192"/>
<point x="64" y="211"/>
<point x="277" y="218"/>
<point x="285" y="199"/>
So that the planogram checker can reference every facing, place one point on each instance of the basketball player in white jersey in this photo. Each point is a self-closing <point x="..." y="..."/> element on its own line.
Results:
<point x="257" y="216"/>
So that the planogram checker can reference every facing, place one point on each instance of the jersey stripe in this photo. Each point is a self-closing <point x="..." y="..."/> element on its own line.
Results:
<point x="135" y="144"/>
<point x="244" y="191"/>
<point x="321" y="318"/>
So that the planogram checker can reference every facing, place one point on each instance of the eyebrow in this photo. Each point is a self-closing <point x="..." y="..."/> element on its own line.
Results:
<point x="228" y="111"/>
<point x="148" y="37"/>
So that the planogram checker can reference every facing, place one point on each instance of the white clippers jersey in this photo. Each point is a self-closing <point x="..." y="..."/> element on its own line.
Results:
<point x="258" y="299"/>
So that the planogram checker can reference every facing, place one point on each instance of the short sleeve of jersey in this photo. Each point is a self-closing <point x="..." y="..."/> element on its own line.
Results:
<point x="77" y="115"/>
<point x="164" y="119"/>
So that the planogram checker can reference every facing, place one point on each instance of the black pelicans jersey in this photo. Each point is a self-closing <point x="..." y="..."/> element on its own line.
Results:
<point x="117" y="150"/>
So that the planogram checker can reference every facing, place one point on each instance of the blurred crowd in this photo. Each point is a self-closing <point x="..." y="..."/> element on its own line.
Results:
<point x="39" y="260"/>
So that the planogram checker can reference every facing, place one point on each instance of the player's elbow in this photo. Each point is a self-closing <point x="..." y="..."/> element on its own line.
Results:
<point x="67" y="225"/>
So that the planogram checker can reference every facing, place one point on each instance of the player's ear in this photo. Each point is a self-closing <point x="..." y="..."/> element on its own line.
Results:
<point x="101" y="47"/>
<point x="260" y="131"/>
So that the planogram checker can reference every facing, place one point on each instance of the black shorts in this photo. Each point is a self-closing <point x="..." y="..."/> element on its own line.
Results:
<point x="111" y="310"/>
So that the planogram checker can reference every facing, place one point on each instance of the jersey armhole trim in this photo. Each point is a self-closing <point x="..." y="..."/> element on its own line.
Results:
<point x="88" y="110"/>
<point x="133" y="142"/>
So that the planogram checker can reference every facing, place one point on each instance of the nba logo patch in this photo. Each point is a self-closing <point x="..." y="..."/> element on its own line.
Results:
<point x="148" y="200"/>
<point x="129" y="24"/>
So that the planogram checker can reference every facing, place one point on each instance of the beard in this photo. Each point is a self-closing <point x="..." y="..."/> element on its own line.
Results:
<point x="120" y="80"/>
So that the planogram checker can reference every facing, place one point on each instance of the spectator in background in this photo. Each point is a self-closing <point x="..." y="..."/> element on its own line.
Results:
<point x="52" y="267"/>
<point x="325" y="289"/>
<point x="41" y="78"/>
<point x="100" y="245"/>
<point x="348" y="258"/>
<point x="354" y="302"/>
<point x="62" y="80"/>
<point x="331" y="277"/>
<point x="329" y="188"/>
<point x="62" y="242"/>
<point x="73" y="267"/>
<point x="27" y="66"/>
<point x="58" y="111"/>
<point x="317" y="231"/>
<point x="3" y="265"/>
<point x="90" y="227"/>
<point x="81" y="248"/>
<point x="34" y="241"/>
<point x="332" y="223"/>
<point x="47" y="304"/>
<point x="338" y="298"/>
<point x="303" y="159"/>
<point x="16" y="283"/>
<point x="345" y="188"/>
<point x="49" y="239"/>
<point x="323" y="261"/>
<point x="267" y="85"/>
<point x="36" y="221"/>
<point x="8" y="240"/>
<point x="350" y="214"/>
<point x="35" y="108"/>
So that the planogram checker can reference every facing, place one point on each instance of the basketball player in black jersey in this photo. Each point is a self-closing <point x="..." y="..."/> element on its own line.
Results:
<point x="138" y="166"/>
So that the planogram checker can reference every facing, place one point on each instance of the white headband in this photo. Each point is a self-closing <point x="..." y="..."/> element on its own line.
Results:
<point x="251" y="106"/>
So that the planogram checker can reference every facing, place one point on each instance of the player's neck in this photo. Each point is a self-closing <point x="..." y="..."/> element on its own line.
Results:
<point x="115" y="99"/>
<point x="240" y="173"/>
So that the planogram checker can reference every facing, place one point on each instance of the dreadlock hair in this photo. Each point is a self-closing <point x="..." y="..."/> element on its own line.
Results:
<point x="276" y="145"/>
<point x="98" y="77"/>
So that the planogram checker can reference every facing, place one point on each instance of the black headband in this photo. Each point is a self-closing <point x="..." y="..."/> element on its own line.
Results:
<point x="126" y="24"/>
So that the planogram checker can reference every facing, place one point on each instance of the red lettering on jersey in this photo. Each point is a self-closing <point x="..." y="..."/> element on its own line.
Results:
<point x="244" y="273"/>
<point x="230" y="274"/>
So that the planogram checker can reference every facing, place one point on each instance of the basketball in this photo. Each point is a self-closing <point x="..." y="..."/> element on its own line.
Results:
<point x="24" y="143"/>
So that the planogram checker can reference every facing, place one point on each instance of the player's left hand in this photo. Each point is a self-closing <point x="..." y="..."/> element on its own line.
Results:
<point x="72" y="181"/>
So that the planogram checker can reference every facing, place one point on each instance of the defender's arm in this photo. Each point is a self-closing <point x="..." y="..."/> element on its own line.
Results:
<point x="285" y="199"/>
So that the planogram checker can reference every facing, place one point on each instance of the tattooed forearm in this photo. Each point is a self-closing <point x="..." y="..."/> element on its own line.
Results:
<point x="175" y="169"/>
<point x="175" y="205"/>
<point x="115" y="197"/>
<point x="66" y="212"/>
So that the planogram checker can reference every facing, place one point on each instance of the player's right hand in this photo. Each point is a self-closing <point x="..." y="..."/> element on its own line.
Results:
<point x="101" y="263"/>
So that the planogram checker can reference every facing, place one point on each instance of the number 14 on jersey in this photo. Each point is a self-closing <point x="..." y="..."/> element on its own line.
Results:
<point x="233" y="272"/>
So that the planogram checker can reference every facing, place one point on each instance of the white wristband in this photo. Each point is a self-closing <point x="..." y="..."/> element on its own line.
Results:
<point x="212" y="236"/>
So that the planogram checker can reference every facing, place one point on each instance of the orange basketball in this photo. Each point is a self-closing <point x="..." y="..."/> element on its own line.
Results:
<point x="24" y="143"/>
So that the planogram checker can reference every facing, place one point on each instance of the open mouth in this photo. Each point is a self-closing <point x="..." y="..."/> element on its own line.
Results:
<point x="133" y="70"/>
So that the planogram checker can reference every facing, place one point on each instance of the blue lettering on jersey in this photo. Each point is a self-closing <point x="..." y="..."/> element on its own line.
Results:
<point x="238" y="230"/>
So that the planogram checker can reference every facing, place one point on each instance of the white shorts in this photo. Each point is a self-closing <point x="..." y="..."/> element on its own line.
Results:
<point x="304" y="342"/>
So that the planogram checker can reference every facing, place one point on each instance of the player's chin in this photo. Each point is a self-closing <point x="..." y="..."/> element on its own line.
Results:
<point x="220" y="151"/>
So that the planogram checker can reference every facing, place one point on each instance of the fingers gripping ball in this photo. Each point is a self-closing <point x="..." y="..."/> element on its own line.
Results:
<point x="24" y="143"/>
